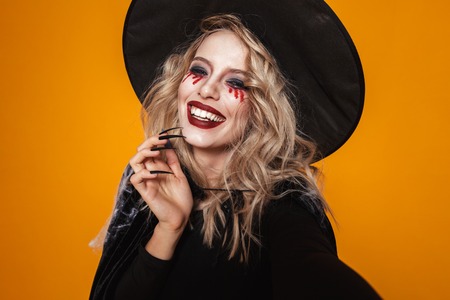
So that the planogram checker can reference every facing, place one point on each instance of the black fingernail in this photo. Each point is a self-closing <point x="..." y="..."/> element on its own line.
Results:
<point x="162" y="147"/>
<point x="173" y="128"/>
<point x="160" y="172"/>
<point x="169" y="136"/>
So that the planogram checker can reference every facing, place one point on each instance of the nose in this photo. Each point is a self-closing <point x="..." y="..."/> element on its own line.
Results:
<point x="209" y="90"/>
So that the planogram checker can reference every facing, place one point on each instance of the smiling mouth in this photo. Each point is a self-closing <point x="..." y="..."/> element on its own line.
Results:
<point x="204" y="115"/>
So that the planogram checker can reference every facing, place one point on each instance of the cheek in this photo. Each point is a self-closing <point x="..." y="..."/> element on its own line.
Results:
<point x="237" y="101"/>
<point x="185" y="90"/>
<point x="237" y="109"/>
<point x="240" y="122"/>
<point x="193" y="78"/>
<point x="243" y="114"/>
<point x="181" y="99"/>
<point x="238" y="94"/>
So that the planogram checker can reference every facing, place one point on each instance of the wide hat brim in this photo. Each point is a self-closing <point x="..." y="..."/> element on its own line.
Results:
<point x="309" y="42"/>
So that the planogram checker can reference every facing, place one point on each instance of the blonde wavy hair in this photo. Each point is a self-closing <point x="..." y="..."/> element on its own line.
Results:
<point x="268" y="151"/>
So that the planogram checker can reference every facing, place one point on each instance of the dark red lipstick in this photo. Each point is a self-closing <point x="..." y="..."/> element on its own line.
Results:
<point x="203" y="123"/>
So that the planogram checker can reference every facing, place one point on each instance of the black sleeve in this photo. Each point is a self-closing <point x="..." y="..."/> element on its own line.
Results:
<point x="128" y="227"/>
<point x="303" y="258"/>
<point x="144" y="278"/>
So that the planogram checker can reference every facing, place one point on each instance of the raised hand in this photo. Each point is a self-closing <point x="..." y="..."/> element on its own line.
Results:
<point x="162" y="184"/>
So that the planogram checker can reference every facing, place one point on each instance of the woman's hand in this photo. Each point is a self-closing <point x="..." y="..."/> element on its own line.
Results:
<point x="167" y="194"/>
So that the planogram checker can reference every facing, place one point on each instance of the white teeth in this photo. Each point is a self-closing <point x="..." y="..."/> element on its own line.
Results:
<point x="203" y="114"/>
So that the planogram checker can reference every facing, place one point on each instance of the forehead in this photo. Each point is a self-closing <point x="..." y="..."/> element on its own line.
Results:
<point x="224" y="47"/>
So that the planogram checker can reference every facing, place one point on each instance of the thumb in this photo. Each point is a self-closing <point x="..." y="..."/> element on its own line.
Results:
<point x="174" y="163"/>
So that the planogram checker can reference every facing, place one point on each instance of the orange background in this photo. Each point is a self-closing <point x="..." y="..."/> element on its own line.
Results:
<point x="70" y="121"/>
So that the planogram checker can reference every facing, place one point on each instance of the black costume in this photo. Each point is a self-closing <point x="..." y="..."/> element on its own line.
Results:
<point x="298" y="258"/>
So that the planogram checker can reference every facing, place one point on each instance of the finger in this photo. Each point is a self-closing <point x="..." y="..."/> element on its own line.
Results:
<point x="139" y="179"/>
<point x="148" y="164"/>
<point x="151" y="142"/>
<point x="174" y="163"/>
<point x="155" y="162"/>
<point x="158" y="165"/>
<point x="137" y="162"/>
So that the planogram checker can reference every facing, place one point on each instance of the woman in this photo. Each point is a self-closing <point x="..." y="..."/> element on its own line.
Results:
<point x="228" y="207"/>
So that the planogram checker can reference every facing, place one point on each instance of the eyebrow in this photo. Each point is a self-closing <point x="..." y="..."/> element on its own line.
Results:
<point x="238" y="71"/>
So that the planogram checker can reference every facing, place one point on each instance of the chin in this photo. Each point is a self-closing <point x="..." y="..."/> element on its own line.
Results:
<point x="197" y="137"/>
<point x="208" y="139"/>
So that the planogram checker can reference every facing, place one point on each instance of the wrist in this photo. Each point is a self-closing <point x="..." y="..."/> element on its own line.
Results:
<point x="169" y="233"/>
<point x="163" y="242"/>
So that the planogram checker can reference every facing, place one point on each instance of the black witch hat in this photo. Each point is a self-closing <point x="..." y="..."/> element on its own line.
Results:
<point x="309" y="42"/>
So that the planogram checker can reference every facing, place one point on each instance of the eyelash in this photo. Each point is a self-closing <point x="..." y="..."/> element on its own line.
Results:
<point x="233" y="83"/>
<point x="198" y="71"/>
<point x="236" y="84"/>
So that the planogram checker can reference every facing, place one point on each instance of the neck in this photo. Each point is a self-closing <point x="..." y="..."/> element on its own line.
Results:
<point x="212" y="163"/>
